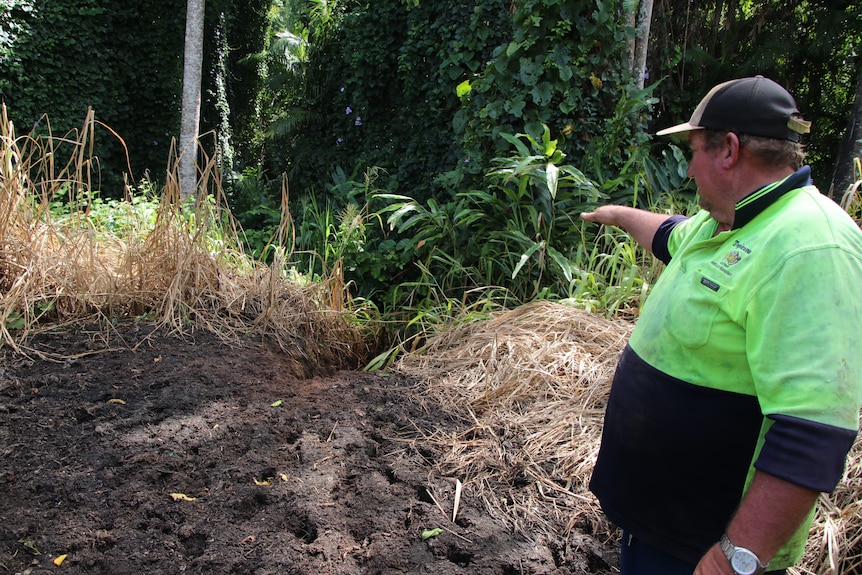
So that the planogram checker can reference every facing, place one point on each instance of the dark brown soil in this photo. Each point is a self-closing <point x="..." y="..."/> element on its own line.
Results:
<point x="100" y="452"/>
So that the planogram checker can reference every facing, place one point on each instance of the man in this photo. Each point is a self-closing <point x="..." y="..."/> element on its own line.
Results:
<point x="737" y="398"/>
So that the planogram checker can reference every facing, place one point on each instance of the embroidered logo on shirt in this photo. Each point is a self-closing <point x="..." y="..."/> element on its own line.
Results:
<point x="735" y="256"/>
<point x="732" y="258"/>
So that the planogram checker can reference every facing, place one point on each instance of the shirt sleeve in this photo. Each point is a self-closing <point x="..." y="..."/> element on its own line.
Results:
<point x="661" y="239"/>
<point x="791" y="440"/>
<point x="801" y="335"/>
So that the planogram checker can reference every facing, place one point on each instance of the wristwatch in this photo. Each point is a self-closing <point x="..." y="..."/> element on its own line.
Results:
<point x="743" y="561"/>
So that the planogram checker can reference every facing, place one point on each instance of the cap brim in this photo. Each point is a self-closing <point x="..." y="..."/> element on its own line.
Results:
<point x="679" y="128"/>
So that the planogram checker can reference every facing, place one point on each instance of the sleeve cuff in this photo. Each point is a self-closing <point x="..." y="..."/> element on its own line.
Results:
<point x="662" y="235"/>
<point x="804" y="452"/>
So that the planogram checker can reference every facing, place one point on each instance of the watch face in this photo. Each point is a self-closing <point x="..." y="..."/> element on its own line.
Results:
<point x="744" y="562"/>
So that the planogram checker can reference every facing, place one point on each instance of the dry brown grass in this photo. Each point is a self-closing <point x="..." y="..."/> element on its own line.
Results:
<point x="185" y="270"/>
<point x="533" y="382"/>
<point x="835" y="540"/>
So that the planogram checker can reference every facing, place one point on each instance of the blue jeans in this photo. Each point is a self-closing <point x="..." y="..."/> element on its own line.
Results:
<point x="637" y="557"/>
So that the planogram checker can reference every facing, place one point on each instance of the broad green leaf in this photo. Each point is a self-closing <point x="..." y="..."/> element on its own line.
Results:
<point x="516" y="141"/>
<point x="542" y="93"/>
<point x="395" y="218"/>
<point x="384" y="360"/>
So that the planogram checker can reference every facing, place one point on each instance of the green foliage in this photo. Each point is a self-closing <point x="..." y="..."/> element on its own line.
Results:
<point x="519" y="232"/>
<point x="242" y="29"/>
<point x="560" y="68"/>
<point x="667" y="179"/>
<point x="284" y="63"/>
<point x="130" y="219"/>
<point x="520" y="238"/>
<point x="537" y="203"/>
<point x="433" y="69"/>
<point x="610" y="274"/>
<point x="386" y="100"/>
<point x="343" y="234"/>
<point x="446" y="75"/>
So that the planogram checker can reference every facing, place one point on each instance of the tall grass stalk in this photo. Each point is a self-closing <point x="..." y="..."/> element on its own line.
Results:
<point x="611" y="274"/>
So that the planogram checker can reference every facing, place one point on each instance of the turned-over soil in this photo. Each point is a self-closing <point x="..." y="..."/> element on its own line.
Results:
<point x="171" y="455"/>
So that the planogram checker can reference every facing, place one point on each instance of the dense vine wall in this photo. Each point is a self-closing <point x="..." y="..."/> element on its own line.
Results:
<point x="418" y="88"/>
<point x="425" y="88"/>
<point x="561" y="67"/>
<point x="60" y="57"/>
<point x="383" y="87"/>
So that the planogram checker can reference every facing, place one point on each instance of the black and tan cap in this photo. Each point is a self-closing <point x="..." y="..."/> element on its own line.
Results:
<point x="756" y="106"/>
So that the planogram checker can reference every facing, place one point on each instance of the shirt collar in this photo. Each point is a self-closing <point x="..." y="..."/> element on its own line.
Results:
<point x="757" y="201"/>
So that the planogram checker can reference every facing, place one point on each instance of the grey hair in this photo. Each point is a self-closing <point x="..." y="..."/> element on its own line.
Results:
<point x="770" y="151"/>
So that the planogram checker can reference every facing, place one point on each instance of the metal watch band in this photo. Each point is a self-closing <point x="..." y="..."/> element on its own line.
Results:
<point x="730" y="550"/>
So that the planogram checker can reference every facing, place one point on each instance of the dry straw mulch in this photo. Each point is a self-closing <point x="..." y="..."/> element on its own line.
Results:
<point x="533" y="382"/>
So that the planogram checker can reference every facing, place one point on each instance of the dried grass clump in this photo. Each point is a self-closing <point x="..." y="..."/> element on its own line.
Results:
<point x="835" y="540"/>
<point x="531" y="385"/>
<point x="533" y="381"/>
<point x="183" y="270"/>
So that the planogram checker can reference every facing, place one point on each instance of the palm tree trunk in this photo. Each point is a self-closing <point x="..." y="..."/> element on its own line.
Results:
<point x="630" y="14"/>
<point x="192" y="65"/>
<point x="642" y="41"/>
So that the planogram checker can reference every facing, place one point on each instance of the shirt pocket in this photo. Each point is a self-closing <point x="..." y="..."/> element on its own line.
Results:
<point x="692" y="316"/>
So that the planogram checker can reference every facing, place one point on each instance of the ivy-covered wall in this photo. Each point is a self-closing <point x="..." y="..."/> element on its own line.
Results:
<point x="238" y="30"/>
<point x="60" y="57"/>
<point x="384" y="90"/>
<point x="419" y="88"/>
<point x="425" y="89"/>
<point x="561" y="67"/>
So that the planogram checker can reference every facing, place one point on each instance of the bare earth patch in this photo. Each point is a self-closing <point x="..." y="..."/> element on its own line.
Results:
<point x="189" y="456"/>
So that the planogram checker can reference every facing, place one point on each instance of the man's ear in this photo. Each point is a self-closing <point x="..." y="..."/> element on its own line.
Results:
<point x="731" y="150"/>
